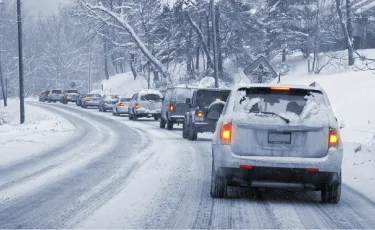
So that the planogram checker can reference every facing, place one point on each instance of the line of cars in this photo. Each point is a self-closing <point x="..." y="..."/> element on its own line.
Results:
<point x="265" y="136"/>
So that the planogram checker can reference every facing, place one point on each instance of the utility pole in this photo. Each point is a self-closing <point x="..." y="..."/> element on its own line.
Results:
<point x="20" y="59"/>
<point x="216" y="65"/>
<point x="89" y="80"/>
<point x="1" y="71"/>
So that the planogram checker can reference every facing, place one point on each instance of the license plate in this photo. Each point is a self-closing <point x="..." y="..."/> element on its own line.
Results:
<point x="279" y="138"/>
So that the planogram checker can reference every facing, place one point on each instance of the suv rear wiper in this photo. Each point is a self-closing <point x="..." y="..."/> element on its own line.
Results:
<point x="272" y="113"/>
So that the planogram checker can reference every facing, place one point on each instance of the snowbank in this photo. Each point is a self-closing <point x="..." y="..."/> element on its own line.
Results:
<point x="123" y="84"/>
<point x="42" y="130"/>
<point x="352" y="98"/>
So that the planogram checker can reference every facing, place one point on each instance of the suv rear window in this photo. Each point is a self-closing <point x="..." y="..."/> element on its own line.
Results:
<point x="206" y="97"/>
<point x="180" y="94"/>
<point x="72" y="91"/>
<point x="262" y="99"/>
<point x="56" y="91"/>
<point x="150" y="97"/>
<point x="94" y="95"/>
<point x="125" y="99"/>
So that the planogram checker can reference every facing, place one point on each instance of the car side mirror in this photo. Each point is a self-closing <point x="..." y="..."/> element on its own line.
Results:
<point x="342" y="124"/>
<point x="188" y="101"/>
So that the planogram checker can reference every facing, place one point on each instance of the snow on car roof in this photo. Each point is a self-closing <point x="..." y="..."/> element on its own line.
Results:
<point x="267" y="85"/>
<point x="149" y="91"/>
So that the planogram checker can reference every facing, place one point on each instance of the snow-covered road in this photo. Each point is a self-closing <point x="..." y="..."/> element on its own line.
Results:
<point x="116" y="173"/>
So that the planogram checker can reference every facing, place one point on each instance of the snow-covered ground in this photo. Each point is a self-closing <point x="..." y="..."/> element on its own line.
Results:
<point x="41" y="131"/>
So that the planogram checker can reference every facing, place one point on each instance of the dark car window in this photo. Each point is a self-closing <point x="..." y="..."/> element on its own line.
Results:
<point x="126" y="99"/>
<point x="72" y="91"/>
<point x="56" y="91"/>
<point x="168" y="95"/>
<point x="46" y="92"/>
<point x="94" y="95"/>
<point x="204" y="98"/>
<point x="180" y="94"/>
<point x="150" y="97"/>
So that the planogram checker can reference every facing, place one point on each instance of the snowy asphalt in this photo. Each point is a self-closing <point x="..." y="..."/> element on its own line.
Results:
<point x="117" y="173"/>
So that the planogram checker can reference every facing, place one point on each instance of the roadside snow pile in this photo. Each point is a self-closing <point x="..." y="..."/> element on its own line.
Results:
<point x="352" y="98"/>
<point x="209" y="82"/>
<point x="123" y="84"/>
<point x="40" y="131"/>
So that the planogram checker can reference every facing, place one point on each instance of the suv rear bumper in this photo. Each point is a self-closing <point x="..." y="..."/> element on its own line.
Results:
<point x="55" y="98"/>
<point x="147" y="113"/>
<point x="205" y="126"/>
<point x="224" y="158"/>
<point x="273" y="177"/>
<point x="179" y="119"/>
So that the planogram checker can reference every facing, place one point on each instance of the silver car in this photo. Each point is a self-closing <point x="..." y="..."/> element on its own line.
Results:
<point x="281" y="136"/>
<point x="146" y="103"/>
<point x="121" y="106"/>
<point x="55" y="95"/>
<point x="91" y="100"/>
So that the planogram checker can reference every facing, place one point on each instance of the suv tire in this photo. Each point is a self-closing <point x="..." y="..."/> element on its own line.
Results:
<point x="162" y="123"/>
<point x="184" y="130"/>
<point x="193" y="134"/>
<point x="218" y="185"/>
<point x="170" y="125"/>
<point x="331" y="193"/>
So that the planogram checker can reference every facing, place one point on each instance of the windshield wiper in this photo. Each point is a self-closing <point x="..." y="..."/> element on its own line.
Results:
<point x="272" y="113"/>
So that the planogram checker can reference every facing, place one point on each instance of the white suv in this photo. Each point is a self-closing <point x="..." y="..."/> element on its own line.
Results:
<point x="146" y="103"/>
<point x="278" y="136"/>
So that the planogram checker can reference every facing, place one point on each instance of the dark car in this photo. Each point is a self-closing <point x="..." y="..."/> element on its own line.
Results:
<point x="107" y="102"/>
<point x="70" y="95"/>
<point x="203" y="113"/>
<point x="43" y="96"/>
<point x="174" y="107"/>
<point x="80" y="98"/>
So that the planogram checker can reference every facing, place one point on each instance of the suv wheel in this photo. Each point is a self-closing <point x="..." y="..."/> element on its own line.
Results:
<point x="117" y="114"/>
<point x="331" y="193"/>
<point x="130" y="116"/>
<point x="103" y="109"/>
<point x="169" y="125"/>
<point x="193" y="133"/>
<point x="218" y="185"/>
<point x="184" y="130"/>
<point x="162" y="123"/>
<point x="135" y="118"/>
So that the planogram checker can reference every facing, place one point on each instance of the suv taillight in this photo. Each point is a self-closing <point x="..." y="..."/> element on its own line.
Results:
<point x="171" y="107"/>
<point x="136" y="106"/>
<point x="87" y="99"/>
<point x="333" y="140"/>
<point x="121" y="104"/>
<point x="199" y="115"/>
<point x="226" y="134"/>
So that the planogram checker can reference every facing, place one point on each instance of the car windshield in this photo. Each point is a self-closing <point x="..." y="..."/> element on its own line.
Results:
<point x="94" y="95"/>
<point x="56" y="91"/>
<point x="206" y="97"/>
<point x="125" y="99"/>
<point x="180" y="94"/>
<point x="72" y="91"/>
<point x="150" y="97"/>
<point x="267" y="100"/>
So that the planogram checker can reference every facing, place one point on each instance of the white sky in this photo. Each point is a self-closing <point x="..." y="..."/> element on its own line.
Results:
<point x="45" y="7"/>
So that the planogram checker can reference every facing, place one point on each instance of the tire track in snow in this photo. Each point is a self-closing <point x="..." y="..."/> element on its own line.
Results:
<point x="53" y="206"/>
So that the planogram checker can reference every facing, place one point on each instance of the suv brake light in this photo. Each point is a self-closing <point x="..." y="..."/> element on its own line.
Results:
<point x="87" y="99"/>
<point x="333" y="138"/>
<point x="136" y="106"/>
<point x="171" y="107"/>
<point x="199" y="115"/>
<point x="121" y="104"/>
<point x="226" y="134"/>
